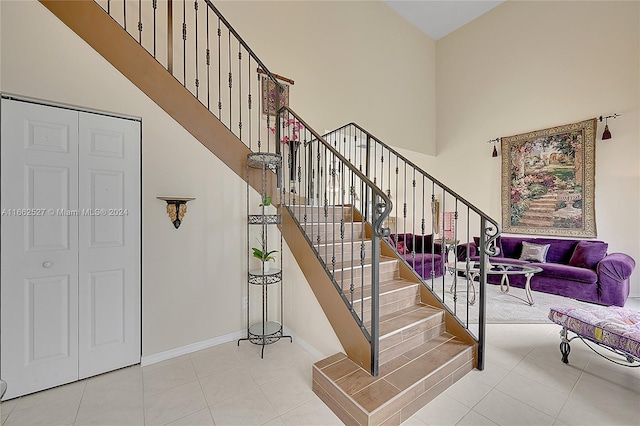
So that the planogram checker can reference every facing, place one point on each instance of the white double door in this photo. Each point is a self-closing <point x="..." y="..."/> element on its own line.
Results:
<point x="70" y="256"/>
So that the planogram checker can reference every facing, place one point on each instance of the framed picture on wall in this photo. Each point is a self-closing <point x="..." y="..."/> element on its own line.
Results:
<point x="548" y="181"/>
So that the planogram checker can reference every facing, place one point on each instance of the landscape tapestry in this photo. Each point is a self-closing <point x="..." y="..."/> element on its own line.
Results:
<point x="548" y="179"/>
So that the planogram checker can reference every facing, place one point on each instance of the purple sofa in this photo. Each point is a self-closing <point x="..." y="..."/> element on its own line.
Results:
<point x="420" y="252"/>
<point x="579" y="269"/>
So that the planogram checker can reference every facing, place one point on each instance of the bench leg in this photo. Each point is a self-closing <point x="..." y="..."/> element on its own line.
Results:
<point x="564" y="346"/>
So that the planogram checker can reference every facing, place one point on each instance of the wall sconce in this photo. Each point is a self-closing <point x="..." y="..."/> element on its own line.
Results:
<point x="495" y="151"/>
<point x="176" y="208"/>
<point x="607" y="134"/>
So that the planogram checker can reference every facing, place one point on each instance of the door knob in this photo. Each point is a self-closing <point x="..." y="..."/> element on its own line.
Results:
<point x="47" y="264"/>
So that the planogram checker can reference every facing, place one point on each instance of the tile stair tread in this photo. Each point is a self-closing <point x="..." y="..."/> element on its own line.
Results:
<point x="401" y="373"/>
<point x="387" y="287"/>
<point x="355" y="264"/>
<point x="406" y="318"/>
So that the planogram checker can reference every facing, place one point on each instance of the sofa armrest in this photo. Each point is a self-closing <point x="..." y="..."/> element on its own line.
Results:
<point x="616" y="267"/>
<point x="461" y="251"/>
<point x="613" y="276"/>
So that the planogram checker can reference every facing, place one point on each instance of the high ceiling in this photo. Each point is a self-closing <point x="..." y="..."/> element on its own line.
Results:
<point x="437" y="18"/>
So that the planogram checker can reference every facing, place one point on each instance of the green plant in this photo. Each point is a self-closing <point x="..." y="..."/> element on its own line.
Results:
<point x="263" y="255"/>
<point x="261" y="252"/>
<point x="266" y="201"/>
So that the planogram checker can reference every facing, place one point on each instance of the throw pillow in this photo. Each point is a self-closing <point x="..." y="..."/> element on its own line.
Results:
<point x="400" y="247"/>
<point x="534" y="252"/>
<point x="587" y="254"/>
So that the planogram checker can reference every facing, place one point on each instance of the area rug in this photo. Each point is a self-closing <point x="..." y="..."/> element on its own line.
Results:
<point x="505" y="308"/>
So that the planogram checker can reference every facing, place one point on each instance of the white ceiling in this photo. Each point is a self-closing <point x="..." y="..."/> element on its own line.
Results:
<point x="437" y="18"/>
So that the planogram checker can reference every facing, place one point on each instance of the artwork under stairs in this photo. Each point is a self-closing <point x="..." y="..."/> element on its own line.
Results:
<point x="418" y="358"/>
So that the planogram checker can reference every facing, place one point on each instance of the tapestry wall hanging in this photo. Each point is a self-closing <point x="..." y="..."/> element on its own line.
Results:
<point x="548" y="181"/>
<point x="269" y="96"/>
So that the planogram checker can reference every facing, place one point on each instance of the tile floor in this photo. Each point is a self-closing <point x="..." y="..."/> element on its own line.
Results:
<point x="524" y="383"/>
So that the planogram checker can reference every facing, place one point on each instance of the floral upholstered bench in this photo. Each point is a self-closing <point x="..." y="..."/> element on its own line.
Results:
<point x="610" y="327"/>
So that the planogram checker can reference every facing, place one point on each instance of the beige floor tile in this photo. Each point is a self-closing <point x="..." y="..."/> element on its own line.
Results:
<point x="122" y="412"/>
<point x="473" y="418"/>
<point x="468" y="391"/>
<point x="286" y="393"/>
<point x="503" y="409"/>
<point x="491" y="375"/>
<point x="554" y="374"/>
<point x="199" y="418"/>
<point x="59" y="411"/>
<point x="227" y="384"/>
<point x="6" y="407"/>
<point x="507" y="358"/>
<point x="173" y="404"/>
<point x="128" y="387"/>
<point x="247" y="409"/>
<point x="312" y="413"/>
<point x="598" y="401"/>
<point x="443" y="410"/>
<point x="275" y="422"/>
<point x="72" y="390"/>
<point x="533" y="393"/>
<point x="168" y="376"/>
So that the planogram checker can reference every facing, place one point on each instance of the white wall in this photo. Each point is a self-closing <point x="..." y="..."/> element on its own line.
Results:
<point x="529" y="65"/>
<point x="194" y="278"/>
<point x="351" y="61"/>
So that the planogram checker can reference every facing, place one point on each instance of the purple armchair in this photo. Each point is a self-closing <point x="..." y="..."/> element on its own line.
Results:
<point x="421" y="252"/>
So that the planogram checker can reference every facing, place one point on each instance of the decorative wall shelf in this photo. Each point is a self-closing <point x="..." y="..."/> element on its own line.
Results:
<point x="176" y="208"/>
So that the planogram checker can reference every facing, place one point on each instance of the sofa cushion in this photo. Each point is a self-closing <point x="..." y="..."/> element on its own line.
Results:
<point x="511" y="246"/>
<point x="534" y="252"/>
<point x="587" y="254"/>
<point x="422" y="243"/>
<point x="569" y="273"/>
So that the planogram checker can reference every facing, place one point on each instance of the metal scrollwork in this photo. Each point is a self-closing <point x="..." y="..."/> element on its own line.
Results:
<point x="491" y="248"/>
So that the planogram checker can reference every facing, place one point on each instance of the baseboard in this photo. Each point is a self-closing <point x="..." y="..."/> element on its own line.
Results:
<point x="204" y="344"/>
<point x="316" y="354"/>
<point x="194" y="347"/>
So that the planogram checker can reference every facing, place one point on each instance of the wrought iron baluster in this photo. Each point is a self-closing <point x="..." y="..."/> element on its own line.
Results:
<point x="139" y="21"/>
<point x="208" y="62"/>
<point x="230" y="84"/>
<point x="197" y="79"/>
<point x="239" y="91"/>
<point x="219" y="72"/>
<point x="184" y="43"/>
<point x="154" y="4"/>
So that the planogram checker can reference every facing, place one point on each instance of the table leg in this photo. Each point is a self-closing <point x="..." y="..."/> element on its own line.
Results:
<point x="505" y="285"/>
<point x="527" y="289"/>
<point x="470" y="283"/>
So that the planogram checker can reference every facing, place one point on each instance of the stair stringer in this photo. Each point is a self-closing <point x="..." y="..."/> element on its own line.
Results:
<point x="355" y="344"/>
<point x="91" y="23"/>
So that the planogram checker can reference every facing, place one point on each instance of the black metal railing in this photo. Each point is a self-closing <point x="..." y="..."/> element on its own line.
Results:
<point x="328" y="197"/>
<point x="198" y="46"/>
<point x="431" y="227"/>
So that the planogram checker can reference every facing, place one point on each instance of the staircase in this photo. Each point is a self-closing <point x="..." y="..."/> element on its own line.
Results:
<point x="418" y="357"/>
<point x="402" y="344"/>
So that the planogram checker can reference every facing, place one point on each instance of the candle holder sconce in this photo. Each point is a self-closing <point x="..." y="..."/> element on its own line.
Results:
<point x="176" y="208"/>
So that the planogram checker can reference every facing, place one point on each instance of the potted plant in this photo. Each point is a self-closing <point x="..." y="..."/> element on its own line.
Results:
<point x="263" y="255"/>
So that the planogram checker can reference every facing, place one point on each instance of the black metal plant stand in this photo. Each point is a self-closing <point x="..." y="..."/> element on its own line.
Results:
<point x="262" y="280"/>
